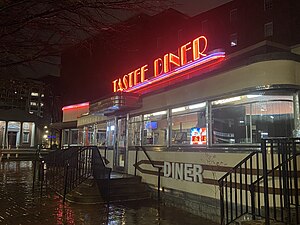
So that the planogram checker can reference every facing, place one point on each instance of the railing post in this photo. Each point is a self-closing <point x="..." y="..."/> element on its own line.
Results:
<point x="266" y="187"/>
<point x="286" y="177"/>
<point x="65" y="181"/>
<point x="42" y="176"/>
<point x="252" y="193"/>
<point x="136" y="158"/>
<point x="158" y="184"/>
<point x="295" y="173"/>
<point x="221" y="186"/>
<point x="105" y="152"/>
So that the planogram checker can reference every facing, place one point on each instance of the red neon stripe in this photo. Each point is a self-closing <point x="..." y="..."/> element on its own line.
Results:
<point x="163" y="82"/>
<point x="176" y="74"/>
<point x="81" y="105"/>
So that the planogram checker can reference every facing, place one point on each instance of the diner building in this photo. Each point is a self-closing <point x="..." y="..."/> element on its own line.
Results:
<point x="200" y="108"/>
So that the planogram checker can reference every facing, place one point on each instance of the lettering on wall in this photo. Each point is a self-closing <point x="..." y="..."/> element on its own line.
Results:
<point x="169" y="66"/>
<point x="183" y="171"/>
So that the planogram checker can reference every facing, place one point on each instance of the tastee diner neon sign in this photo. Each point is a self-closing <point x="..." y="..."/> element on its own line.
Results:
<point x="190" y="55"/>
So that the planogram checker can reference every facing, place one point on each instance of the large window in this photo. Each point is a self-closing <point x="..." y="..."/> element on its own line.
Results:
<point x="189" y="125"/>
<point x="66" y="137"/>
<point x="74" y="139"/>
<point x="155" y="126"/>
<point x="100" y="134"/>
<point x="268" y="4"/>
<point x="249" y="118"/>
<point x="134" y="132"/>
<point x="110" y="133"/>
<point x="25" y="137"/>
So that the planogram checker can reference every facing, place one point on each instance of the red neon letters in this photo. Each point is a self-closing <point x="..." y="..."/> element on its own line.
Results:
<point x="167" y="63"/>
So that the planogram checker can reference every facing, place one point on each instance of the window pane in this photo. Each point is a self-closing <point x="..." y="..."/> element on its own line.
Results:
<point x="25" y="137"/>
<point x="110" y="132"/>
<point x="134" y="132"/>
<point x="230" y="125"/>
<point x="268" y="29"/>
<point x="66" y="137"/>
<point x="155" y="129"/>
<point x="233" y="40"/>
<point x="268" y="4"/>
<point x="101" y="134"/>
<point x="74" y="136"/>
<point x="272" y="119"/>
<point x="183" y="125"/>
<point x="249" y="118"/>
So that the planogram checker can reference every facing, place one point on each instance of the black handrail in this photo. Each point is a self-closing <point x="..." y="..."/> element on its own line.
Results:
<point x="279" y="174"/>
<point x="234" y="188"/>
<point x="253" y="190"/>
<point x="101" y="174"/>
<point x="281" y="181"/>
<point x="153" y="165"/>
<point x="274" y="169"/>
<point x="239" y="164"/>
<point x="66" y="169"/>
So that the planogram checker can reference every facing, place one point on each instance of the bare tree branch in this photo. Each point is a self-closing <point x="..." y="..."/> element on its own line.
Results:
<point x="34" y="29"/>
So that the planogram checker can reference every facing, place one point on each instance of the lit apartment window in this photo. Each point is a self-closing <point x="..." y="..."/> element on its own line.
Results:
<point x="268" y="4"/>
<point x="25" y="126"/>
<point x="233" y="15"/>
<point x="33" y="103"/>
<point x="42" y="104"/>
<point x="233" y="40"/>
<point x="42" y="95"/>
<point x="34" y="94"/>
<point x="25" y="137"/>
<point x="269" y="29"/>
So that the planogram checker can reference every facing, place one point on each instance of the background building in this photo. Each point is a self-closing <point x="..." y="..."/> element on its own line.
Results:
<point x="26" y="109"/>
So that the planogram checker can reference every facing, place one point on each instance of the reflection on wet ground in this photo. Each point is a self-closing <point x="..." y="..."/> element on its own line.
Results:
<point x="18" y="205"/>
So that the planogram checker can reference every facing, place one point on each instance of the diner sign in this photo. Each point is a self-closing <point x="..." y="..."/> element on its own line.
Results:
<point x="190" y="55"/>
<point x="183" y="171"/>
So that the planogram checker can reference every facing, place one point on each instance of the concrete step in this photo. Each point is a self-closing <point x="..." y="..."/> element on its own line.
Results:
<point x="259" y="222"/>
<point x="277" y="211"/>
<point x="121" y="189"/>
<point x="125" y="189"/>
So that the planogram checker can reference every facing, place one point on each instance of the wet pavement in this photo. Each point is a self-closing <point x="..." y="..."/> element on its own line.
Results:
<point x="19" y="205"/>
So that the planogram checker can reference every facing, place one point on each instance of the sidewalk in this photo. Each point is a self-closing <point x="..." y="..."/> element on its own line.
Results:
<point x="20" y="206"/>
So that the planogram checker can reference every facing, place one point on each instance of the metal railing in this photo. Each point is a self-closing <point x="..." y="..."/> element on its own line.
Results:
<point x="264" y="184"/>
<point x="101" y="174"/>
<point x="280" y="182"/>
<point x="152" y="164"/>
<point x="234" y="188"/>
<point x="68" y="168"/>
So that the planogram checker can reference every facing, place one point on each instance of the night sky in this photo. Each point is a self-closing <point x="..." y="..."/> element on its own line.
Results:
<point x="188" y="7"/>
<point x="194" y="7"/>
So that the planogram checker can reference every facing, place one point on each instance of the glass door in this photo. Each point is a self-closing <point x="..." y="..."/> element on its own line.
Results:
<point x="120" y="151"/>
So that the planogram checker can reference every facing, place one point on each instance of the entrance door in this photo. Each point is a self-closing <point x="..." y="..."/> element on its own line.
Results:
<point x="12" y="139"/>
<point x="120" y="156"/>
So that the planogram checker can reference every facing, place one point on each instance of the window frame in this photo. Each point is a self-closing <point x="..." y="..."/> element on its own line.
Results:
<point x="233" y="15"/>
<point x="233" y="39"/>
<point x="269" y="27"/>
<point x="268" y="5"/>
<point x="226" y="105"/>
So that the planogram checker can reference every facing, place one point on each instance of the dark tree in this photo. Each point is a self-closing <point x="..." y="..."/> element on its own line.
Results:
<point x="38" y="30"/>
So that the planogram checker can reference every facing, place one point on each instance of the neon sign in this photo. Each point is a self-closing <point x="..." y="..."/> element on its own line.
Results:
<point x="198" y="136"/>
<point x="171" y="66"/>
<point x="81" y="105"/>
